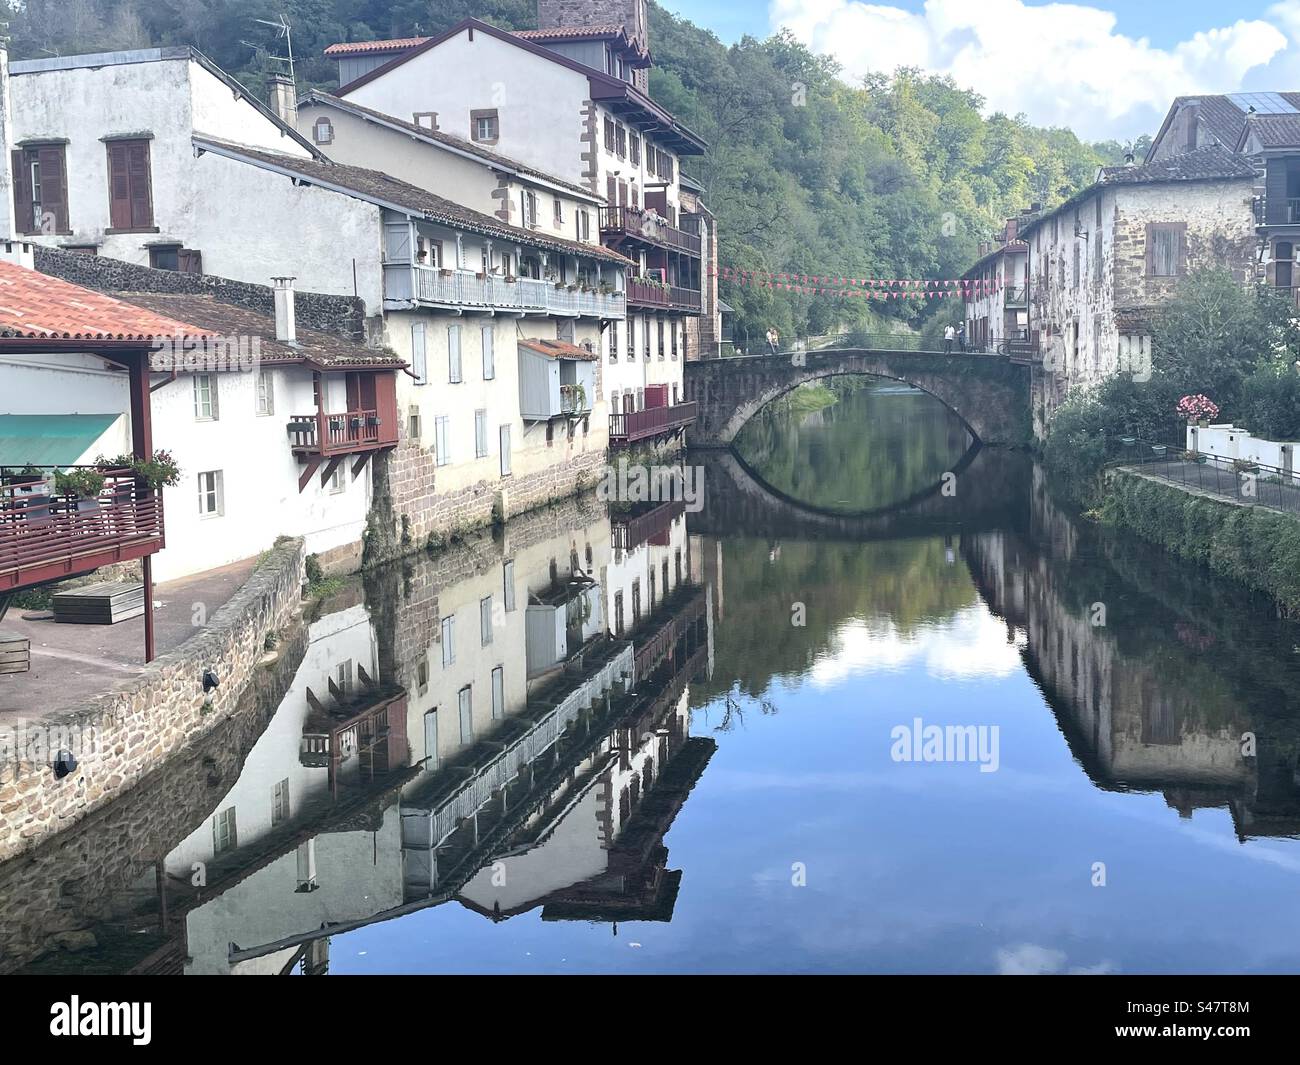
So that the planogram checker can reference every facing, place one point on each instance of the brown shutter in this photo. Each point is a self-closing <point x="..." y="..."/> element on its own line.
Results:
<point x="189" y="261"/>
<point x="54" y="186"/>
<point x="22" y="191"/>
<point x="141" y="194"/>
<point x="119" y="187"/>
<point x="1151" y="249"/>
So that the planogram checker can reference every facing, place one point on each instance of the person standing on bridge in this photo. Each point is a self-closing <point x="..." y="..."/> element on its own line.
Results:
<point x="961" y="338"/>
<point x="773" y="340"/>
<point x="949" y="335"/>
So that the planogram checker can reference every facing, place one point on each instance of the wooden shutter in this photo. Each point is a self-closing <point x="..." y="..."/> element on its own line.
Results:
<point x="23" y="212"/>
<point x="141" y="194"/>
<point x="119" y="186"/>
<point x="418" y="366"/>
<point x="189" y="261"/>
<point x="54" y="185"/>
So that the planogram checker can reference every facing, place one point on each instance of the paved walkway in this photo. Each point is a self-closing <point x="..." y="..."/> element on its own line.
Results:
<point x="1264" y="488"/>
<point x="71" y="663"/>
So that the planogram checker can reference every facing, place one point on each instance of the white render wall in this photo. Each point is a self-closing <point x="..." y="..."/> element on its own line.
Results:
<point x="248" y="224"/>
<point x="539" y="102"/>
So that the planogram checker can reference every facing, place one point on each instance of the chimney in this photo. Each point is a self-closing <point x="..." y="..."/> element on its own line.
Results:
<point x="18" y="252"/>
<point x="284" y="99"/>
<point x="286" y="329"/>
<point x="1012" y="229"/>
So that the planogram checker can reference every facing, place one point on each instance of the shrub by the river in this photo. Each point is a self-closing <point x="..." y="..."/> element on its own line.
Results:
<point x="1258" y="547"/>
<point x="1270" y="404"/>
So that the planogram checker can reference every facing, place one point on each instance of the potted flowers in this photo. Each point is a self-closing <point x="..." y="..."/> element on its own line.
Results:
<point x="158" y="471"/>
<point x="83" y="484"/>
<point x="1198" y="408"/>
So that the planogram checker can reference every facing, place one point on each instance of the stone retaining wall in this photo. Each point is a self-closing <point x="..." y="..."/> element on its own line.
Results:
<point x="119" y="737"/>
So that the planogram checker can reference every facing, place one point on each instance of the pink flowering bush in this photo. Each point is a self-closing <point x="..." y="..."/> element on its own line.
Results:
<point x="1197" y="408"/>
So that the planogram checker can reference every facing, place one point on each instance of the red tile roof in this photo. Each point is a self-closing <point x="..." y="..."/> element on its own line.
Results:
<point x="36" y="306"/>
<point x="557" y="349"/>
<point x="395" y="44"/>
<point x="562" y="33"/>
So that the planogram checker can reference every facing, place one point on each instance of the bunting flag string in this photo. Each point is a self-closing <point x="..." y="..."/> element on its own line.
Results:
<point x="862" y="287"/>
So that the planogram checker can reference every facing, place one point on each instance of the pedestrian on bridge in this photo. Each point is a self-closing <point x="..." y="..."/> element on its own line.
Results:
<point x="961" y="338"/>
<point x="949" y="335"/>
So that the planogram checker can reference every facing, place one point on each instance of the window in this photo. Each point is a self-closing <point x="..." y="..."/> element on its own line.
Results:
<point x="431" y="738"/>
<point x="211" y="495"/>
<point x="414" y="427"/>
<point x="646" y="342"/>
<point x="609" y="140"/>
<point x="485" y="620"/>
<point x="504" y="434"/>
<point x="453" y="354"/>
<point x="620" y="141"/>
<point x="636" y="601"/>
<point x="584" y="225"/>
<point x="441" y="440"/>
<point x="129" y="185"/>
<point x="280" y="802"/>
<point x="428" y="252"/>
<point x="528" y="208"/>
<point x="489" y="355"/>
<point x="613" y="342"/>
<point x="205" y="397"/>
<point x="559" y="210"/>
<point x="1166" y="248"/>
<point x="422" y="674"/>
<point x="343" y="675"/>
<point x="466" y="717"/>
<point x="174" y="257"/>
<point x="634" y="145"/>
<point x="672" y="329"/>
<point x="498" y="692"/>
<point x="322" y="131"/>
<point x="419" y="357"/>
<point x="41" y="189"/>
<point x="508" y="584"/>
<point x="631" y="339"/>
<point x="224" y="835"/>
<point x="265" y="393"/>
<point x="448" y="640"/>
<point x="338" y="483"/>
<point x="1283" y="264"/>
<point x="618" y="613"/>
<point x="484" y="126"/>
<point x="480" y="434"/>
<point x="663" y="351"/>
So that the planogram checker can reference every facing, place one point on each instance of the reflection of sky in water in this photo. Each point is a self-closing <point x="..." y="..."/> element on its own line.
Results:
<point x="910" y="867"/>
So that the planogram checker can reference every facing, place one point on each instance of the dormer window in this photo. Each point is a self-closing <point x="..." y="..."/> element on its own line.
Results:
<point x="322" y="131"/>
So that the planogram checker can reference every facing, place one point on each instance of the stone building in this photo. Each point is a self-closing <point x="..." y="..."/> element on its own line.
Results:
<point x="1098" y="265"/>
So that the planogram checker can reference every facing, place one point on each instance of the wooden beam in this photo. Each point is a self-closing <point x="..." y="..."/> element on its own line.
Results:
<point x="329" y="470"/>
<point x="360" y="464"/>
<point x="312" y="466"/>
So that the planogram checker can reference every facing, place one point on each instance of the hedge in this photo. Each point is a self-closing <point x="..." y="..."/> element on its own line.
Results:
<point x="1253" y="545"/>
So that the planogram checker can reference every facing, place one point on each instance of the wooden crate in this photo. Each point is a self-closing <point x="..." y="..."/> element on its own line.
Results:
<point x="99" y="604"/>
<point x="15" y="652"/>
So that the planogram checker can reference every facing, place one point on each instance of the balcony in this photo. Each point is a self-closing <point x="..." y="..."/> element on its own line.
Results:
<point x="339" y="434"/>
<point x="651" y="526"/>
<point x="1015" y="296"/>
<point x="633" y="223"/>
<point x="494" y="293"/>
<point x="632" y="426"/>
<point x="645" y="293"/>
<point x="684" y="299"/>
<point x="44" y="536"/>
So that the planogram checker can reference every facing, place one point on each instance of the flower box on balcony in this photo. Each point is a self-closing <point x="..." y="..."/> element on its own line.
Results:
<point x="444" y="273"/>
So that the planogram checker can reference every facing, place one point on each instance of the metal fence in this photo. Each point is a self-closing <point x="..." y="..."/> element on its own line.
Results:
<point x="1241" y="480"/>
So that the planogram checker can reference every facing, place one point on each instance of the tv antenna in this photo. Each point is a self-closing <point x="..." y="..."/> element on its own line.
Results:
<point x="283" y="32"/>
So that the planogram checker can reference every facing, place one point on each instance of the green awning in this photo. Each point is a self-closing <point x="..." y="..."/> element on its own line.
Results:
<point x="50" y="439"/>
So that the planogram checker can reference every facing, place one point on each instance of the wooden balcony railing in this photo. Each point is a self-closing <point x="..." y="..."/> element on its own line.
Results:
<point x="44" y="536"/>
<point x="631" y="426"/>
<point x="632" y="530"/>
<point x="644" y="293"/>
<point x="684" y="299"/>
<point x="638" y="224"/>
<point x="335" y="434"/>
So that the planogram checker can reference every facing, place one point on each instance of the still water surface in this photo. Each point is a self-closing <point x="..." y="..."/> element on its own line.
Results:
<point x="695" y="782"/>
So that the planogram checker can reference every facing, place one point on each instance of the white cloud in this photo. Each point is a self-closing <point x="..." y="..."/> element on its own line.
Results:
<point x="1060" y="64"/>
<point x="968" y="645"/>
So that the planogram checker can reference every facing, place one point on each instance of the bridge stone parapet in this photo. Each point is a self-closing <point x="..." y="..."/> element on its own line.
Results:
<point x="990" y="393"/>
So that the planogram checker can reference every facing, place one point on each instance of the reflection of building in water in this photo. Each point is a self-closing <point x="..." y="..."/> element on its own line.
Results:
<point x="467" y="734"/>
<point x="1139" y="713"/>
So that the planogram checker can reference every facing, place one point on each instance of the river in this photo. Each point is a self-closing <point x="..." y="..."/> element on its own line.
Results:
<point x="881" y="705"/>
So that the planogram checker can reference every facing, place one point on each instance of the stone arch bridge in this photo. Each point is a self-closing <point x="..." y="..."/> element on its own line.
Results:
<point x="990" y="393"/>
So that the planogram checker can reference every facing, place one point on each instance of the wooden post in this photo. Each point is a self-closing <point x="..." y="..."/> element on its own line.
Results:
<point x="142" y="448"/>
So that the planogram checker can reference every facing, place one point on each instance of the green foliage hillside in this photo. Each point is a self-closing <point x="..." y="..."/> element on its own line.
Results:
<point x="899" y="177"/>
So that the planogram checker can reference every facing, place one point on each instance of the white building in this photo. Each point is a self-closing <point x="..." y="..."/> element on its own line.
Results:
<point x="516" y="94"/>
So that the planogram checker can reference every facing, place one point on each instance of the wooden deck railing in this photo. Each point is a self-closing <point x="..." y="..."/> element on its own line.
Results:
<point x="631" y="426"/>
<point x="44" y="535"/>
<point x="636" y="222"/>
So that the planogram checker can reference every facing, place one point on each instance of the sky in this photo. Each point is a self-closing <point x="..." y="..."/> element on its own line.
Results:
<point x="1106" y="70"/>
